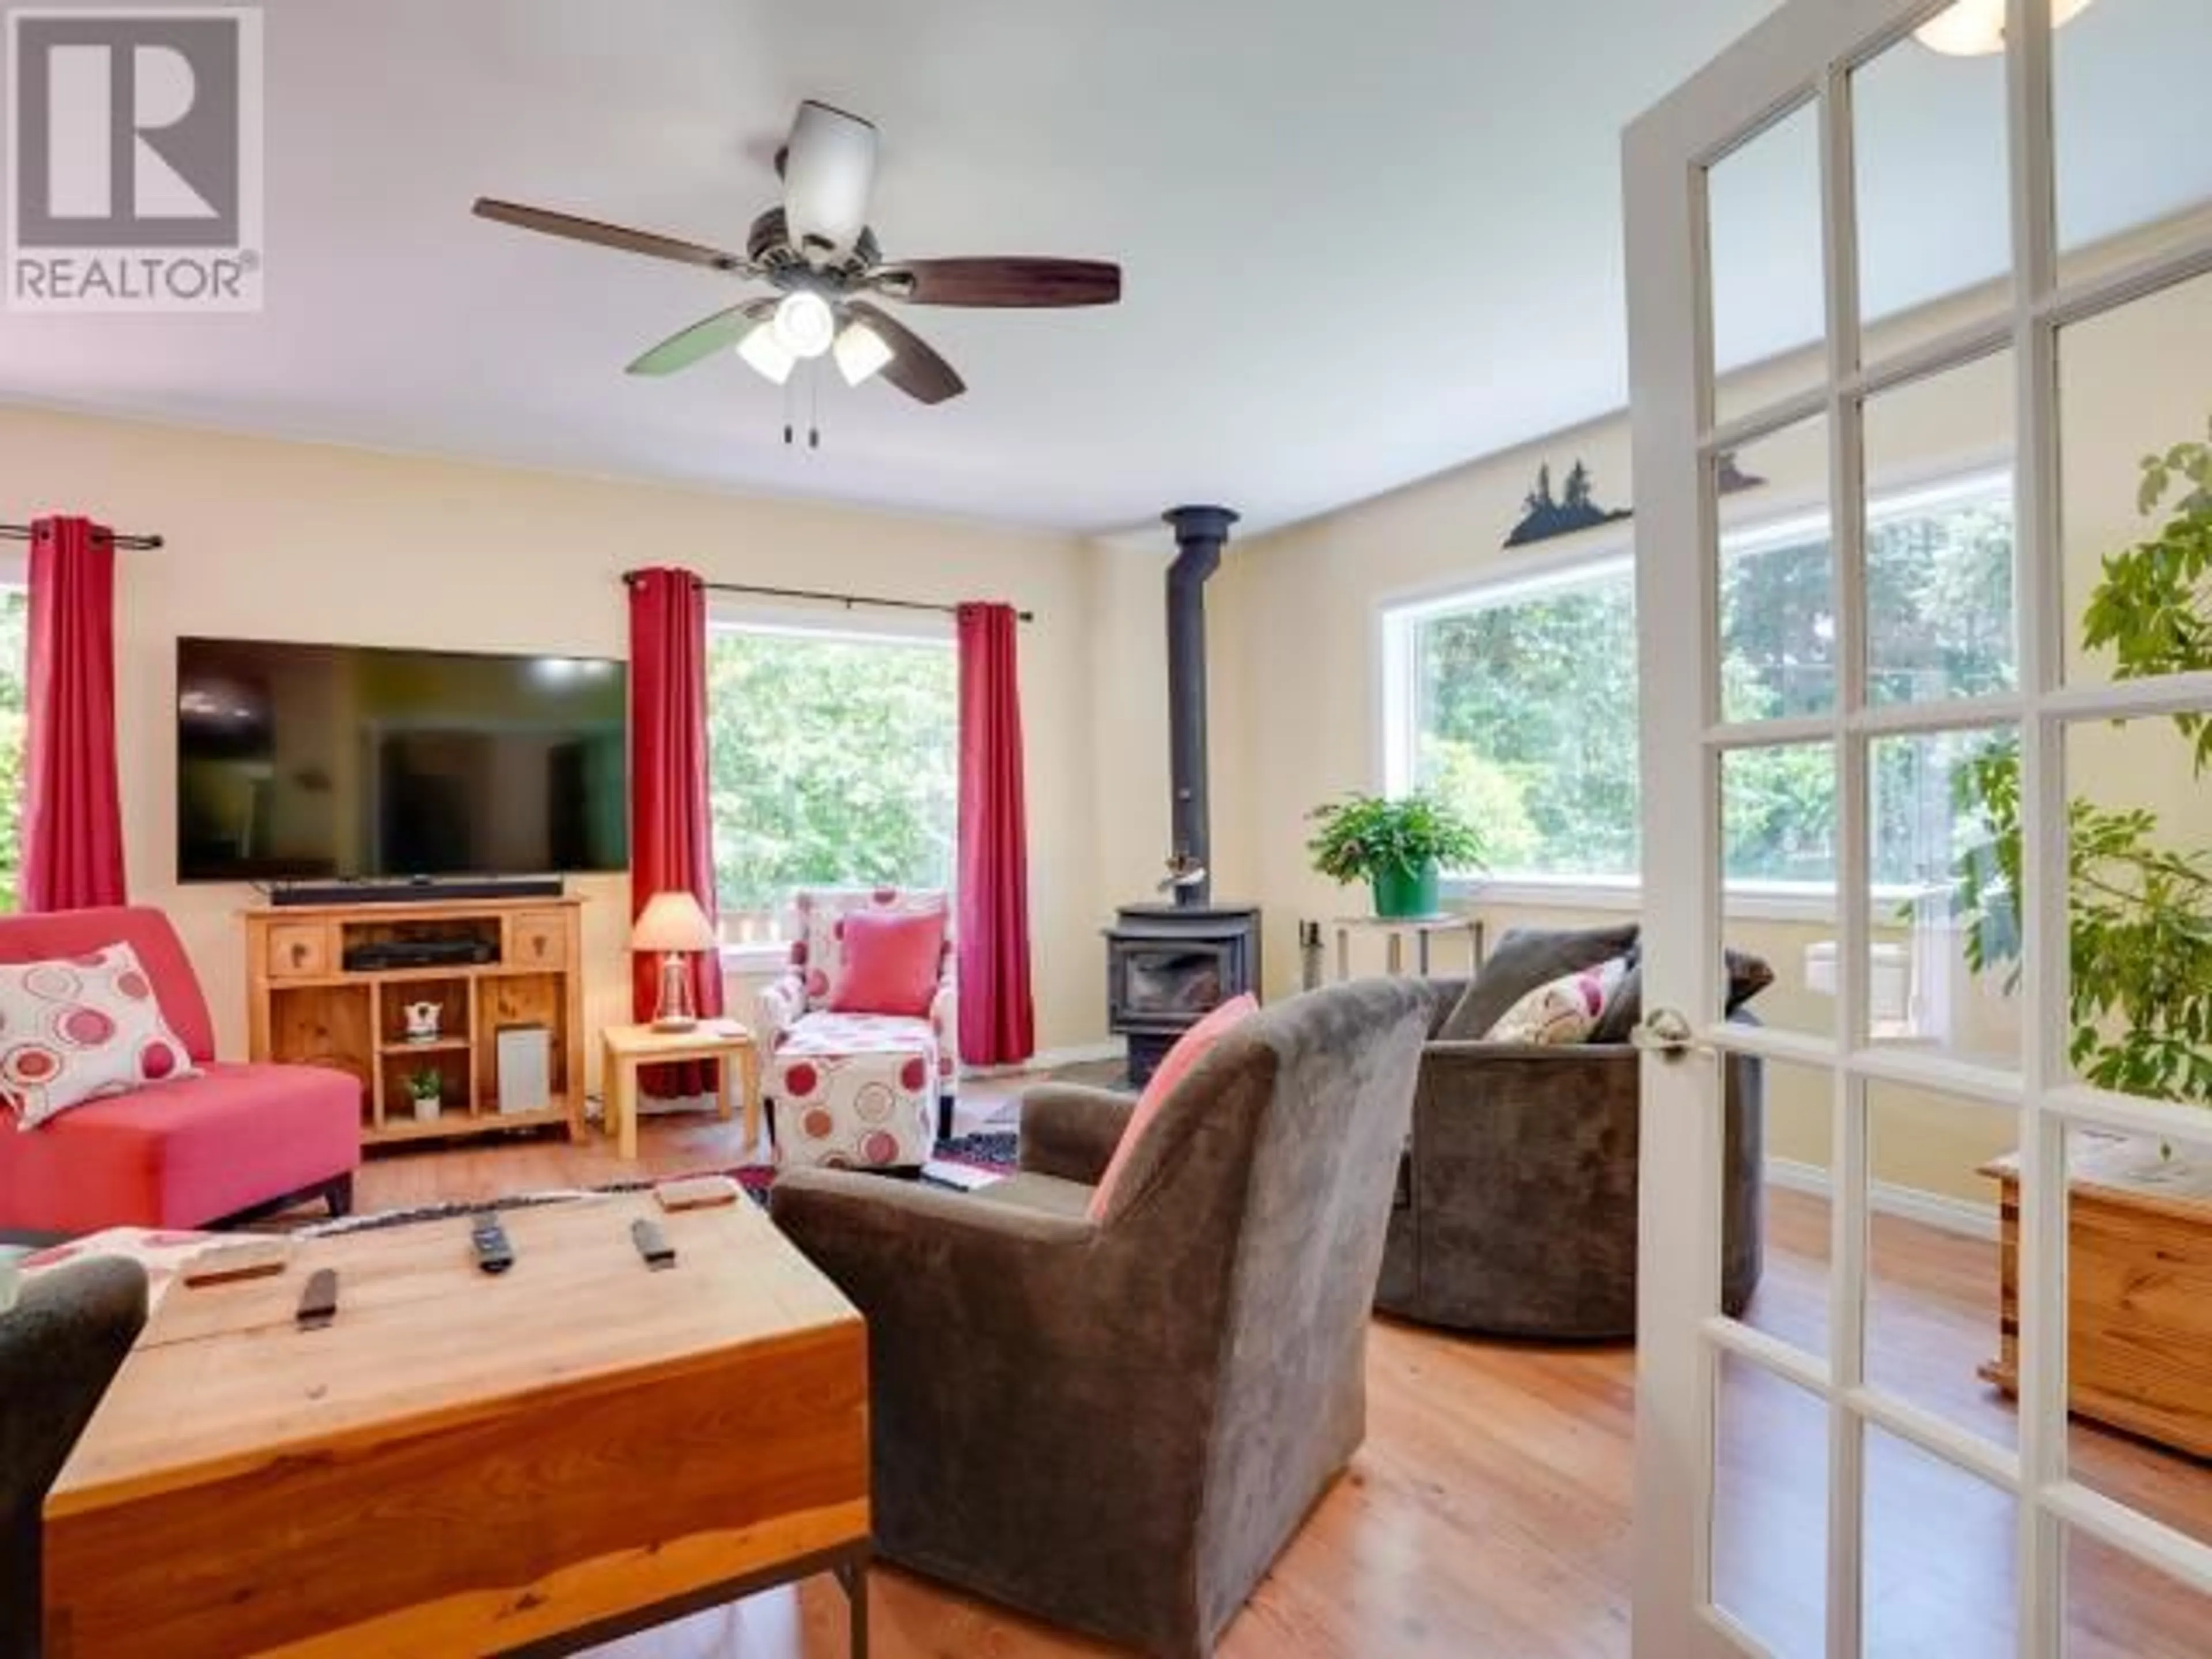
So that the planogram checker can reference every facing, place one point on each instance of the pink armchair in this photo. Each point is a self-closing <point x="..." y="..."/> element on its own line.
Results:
<point x="850" y="1090"/>
<point x="174" y="1155"/>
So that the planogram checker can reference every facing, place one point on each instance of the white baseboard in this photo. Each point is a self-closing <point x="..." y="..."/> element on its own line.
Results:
<point x="1050" y="1060"/>
<point x="1950" y="1215"/>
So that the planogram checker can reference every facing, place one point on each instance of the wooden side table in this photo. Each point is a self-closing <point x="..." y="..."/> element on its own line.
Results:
<point x="1395" y="930"/>
<point x="725" y="1042"/>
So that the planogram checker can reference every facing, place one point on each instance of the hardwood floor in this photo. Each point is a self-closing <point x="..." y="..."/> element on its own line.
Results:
<point x="1489" y="1512"/>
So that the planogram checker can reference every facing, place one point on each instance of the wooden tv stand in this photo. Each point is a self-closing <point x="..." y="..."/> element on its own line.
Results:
<point x="304" y="1007"/>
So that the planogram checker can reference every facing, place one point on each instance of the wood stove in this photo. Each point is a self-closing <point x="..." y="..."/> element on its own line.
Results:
<point x="1170" y="965"/>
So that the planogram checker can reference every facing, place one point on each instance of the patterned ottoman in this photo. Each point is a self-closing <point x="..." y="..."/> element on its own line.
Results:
<point x="856" y="1092"/>
<point x="853" y="1091"/>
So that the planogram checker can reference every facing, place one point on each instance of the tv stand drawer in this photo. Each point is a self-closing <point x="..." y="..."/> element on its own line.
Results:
<point x="538" y="938"/>
<point x="297" y="950"/>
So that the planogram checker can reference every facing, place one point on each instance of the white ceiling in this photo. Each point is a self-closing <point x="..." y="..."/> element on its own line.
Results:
<point x="1362" y="244"/>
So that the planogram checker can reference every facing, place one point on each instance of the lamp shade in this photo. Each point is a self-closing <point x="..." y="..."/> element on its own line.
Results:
<point x="673" y="921"/>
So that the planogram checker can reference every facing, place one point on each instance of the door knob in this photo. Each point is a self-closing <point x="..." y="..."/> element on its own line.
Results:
<point x="1664" y="1031"/>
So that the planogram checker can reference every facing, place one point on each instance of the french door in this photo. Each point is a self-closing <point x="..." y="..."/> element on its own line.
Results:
<point x="1928" y="286"/>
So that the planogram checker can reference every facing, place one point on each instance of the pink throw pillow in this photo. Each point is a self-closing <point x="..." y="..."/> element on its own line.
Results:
<point x="1176" y="1064"/>
<point x="890" y="963"/>
<point x="80" y="1030"/>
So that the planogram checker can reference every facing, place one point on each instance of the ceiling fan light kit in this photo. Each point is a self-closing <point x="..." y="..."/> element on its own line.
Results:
<point x="1975" y="28"/>
<point x="861" y="353"/>
<point x="766" y="355"/>
<point x="805" y="324"/>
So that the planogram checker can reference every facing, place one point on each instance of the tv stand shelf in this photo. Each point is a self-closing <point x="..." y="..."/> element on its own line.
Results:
<point x="304" y="1007"/>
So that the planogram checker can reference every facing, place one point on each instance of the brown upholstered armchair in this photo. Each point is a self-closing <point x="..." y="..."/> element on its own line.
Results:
<point x="1118" y="1424"/>
<point x="1516" y="1214"/>
<point x="59" y="1348"/>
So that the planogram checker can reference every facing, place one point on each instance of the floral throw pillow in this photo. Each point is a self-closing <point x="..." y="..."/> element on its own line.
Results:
<point x="81" y="1029"/>
<point x="1564" y="1010"/>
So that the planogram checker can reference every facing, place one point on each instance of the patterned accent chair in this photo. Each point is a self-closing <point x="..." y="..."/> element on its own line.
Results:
<point x="852" y="1091"/>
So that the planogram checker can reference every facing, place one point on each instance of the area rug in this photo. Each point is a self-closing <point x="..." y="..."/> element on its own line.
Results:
<point x="995" y="1152"/>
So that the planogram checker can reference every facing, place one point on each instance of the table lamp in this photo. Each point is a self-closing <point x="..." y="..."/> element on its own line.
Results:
<point x="673" y="924"/>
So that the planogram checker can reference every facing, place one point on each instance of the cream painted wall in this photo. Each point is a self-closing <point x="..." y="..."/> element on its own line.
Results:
<point x="1303" y="623"/>
<point x="292" y="541"/>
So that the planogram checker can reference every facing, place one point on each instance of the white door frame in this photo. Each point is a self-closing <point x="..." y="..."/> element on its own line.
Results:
<point x="1806" y="54"/>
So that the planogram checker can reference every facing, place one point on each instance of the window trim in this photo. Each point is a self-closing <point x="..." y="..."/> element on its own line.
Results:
<point x="1523" y="576"/>
<point x="893" y="629"/>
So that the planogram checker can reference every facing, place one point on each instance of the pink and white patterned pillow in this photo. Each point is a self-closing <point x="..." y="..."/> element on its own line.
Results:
<point x="80" y="1029"/>
<point x="1564" y="1010"/>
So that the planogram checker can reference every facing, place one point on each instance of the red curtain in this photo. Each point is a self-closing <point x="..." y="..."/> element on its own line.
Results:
<point x="671" y="847"/>
<point x="998" y="1021"/>
<point x="72" y="824"/>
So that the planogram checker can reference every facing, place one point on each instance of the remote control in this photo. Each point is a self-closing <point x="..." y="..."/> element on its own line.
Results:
<point x="494" y="1253"/>
<point x="252" y="1258"/>
<point x="697" y="1193"/>
<point x="318" y="1303"/>
<point x="653" y="1244"/>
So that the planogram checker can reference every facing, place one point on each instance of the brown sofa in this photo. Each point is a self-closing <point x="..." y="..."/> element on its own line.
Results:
<point x="1516" y="1214"/>
<point x="1118" y="1426"/>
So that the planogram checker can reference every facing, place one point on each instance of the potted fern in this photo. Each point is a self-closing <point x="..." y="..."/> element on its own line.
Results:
<point x="1399" y="848"/>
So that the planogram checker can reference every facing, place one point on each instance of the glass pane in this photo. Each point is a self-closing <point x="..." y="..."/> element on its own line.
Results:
<point x="2118" y="1608"/>
<point x="1933" y="1282"/>
<point x="1945" y="925"/>
<point x="864" y="790"/>
<point x="1941" y="1548"/>
<point x="1770" y="310"/>
<point x="1778" y="582"/>
<point x="2139" y="1323"/>
<point x="1778" y="838"/>
<point x="1939" y="505"/>
<point x="1935" y="215"/>
<point x="2134" y="128"/>
<point x="2135" y="387"/>
<point x="1791" y="1142"/>
<point x="1525" y="719"/>
<point x="1771" y="1509"/>
<point x="2141" y="904"/>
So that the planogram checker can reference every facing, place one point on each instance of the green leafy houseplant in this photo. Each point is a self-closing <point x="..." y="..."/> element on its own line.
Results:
<point x="427" y="1088"/>
<point x="1400" y="848"/>
<point x="2140" y="928"/>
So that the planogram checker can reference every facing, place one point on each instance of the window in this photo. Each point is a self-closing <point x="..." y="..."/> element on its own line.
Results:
<point x="834" y="758"/>
<point x="1517" y="701"/>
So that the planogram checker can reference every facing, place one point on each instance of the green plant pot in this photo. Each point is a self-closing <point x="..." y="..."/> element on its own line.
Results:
<point x="1402" y="893"/>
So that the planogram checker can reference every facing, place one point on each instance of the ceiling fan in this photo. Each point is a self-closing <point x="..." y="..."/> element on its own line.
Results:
<point x="819" y="254"/>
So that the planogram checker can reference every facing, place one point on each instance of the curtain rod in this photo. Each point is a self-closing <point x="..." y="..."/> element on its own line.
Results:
<point x="21" y="532"/>
<point x="848" y="600"/>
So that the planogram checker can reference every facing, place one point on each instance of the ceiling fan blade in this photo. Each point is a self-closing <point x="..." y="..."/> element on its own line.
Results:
<point x="604" y="235"/>
<point x="914" y="369"/>
<point x="828" y="168"/>
<point x="724" y="329"/>
<point x="1013" y="281"/>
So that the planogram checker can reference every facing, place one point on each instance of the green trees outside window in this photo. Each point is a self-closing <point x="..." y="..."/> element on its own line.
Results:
<point x="1525" y="706"/>
<point x="833" y="761"/>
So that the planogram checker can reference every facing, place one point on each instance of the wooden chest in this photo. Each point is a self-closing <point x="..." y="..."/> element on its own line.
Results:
<point x="2139" y="1292"/>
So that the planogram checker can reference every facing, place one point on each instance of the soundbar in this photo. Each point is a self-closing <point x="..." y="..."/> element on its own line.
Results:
<point x="419" y="953"/>
<point x="420" y="890"/>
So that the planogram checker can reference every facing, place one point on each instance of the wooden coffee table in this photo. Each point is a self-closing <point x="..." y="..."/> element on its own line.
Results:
<point x="463" y="1464"/>
<point x="725" y="1042"/>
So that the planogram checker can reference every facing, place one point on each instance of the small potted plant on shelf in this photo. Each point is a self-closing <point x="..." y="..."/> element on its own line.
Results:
<point x="1399" y="848"/>
<point x="427" y="1088"/>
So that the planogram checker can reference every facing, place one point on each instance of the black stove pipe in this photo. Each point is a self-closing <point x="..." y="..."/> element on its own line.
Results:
<point x="1201" y="534"/>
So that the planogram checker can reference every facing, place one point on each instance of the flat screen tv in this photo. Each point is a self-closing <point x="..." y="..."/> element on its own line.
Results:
<point x="302" y="762"/>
